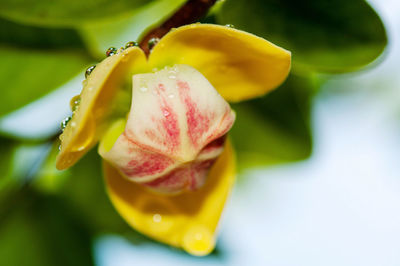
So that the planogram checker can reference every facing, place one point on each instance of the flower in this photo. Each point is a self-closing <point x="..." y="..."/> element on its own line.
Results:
<point x="239" y="66"/>
<point x="174" y="132"/>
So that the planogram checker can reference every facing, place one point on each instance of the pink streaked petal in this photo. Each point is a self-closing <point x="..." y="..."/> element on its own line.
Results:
<point x="175" y="130"/>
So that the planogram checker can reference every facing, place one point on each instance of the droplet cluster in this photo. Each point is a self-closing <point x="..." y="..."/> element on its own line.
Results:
<point x="75" y="101"/>
<point x="131" y="44"/>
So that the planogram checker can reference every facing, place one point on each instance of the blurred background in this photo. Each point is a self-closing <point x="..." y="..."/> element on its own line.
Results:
<point x="319" y="177"/>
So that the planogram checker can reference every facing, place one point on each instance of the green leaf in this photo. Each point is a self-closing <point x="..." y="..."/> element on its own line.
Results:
<point x="84" y="189"/>
<point x="23" y="36"/>
<point x="323" y="35"/>
<point x="65" y="12"/>
<point x="7" y="150"/>
<point x="19" y="162"/>
<point x="100" y="35"/>
<point x="274" y="128"/>
<point x="41" y="231"/>
<point x="48" y="179"/>
<point x="26" y="75"/>
<point x="36" y="61"/>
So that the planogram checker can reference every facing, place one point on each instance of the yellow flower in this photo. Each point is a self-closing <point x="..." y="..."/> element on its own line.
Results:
<point x="239" y="66"/>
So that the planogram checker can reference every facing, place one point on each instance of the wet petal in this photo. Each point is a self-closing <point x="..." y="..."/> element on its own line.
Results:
<point x="86" y="125"/>
<point x="240" y="65"/>
<point x="189" y="220"/>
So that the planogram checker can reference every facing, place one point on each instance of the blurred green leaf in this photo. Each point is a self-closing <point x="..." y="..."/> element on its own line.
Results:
<point x="36" y="61"/>
<point x="274" y="128"/>
<point x="100" y="35"/>
<point x="48" y="178"/>
<point x="26" y="75"/>
<point x="84" y="189"/>
<point x="65" y="12"/>
<point x="42" y="231"/>
<point x="19" y="163"/>
<point x="323" y="35"/>
<point x="7" y="150"/>
<point x="23" y="36"/>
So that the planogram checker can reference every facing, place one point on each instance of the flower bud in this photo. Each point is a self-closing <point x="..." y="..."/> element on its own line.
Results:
<point x="175" y="130"/>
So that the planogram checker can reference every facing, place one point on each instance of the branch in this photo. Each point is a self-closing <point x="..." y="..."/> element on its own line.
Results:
<point x="190" y="12"/>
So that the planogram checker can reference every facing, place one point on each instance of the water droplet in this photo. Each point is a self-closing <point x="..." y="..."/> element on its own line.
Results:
<point x="171" y="96"/>
<point x="157" y="218"/>
<point x="143" y="89"/>
<point x="73" y="124"/>
<point x="89" y="71"/>
<point x="59" y="147"/>
<point x="64" y="123"/>
<point x="198" y="236"/>
<point x="198" y="241"/>
<point x="152" y="42"/>
<point x="74" y="103"/>
<point x="131" y="44"/>
<point x="111" y="51"/>
<point x="165" y="113"/>
<point x="230" y="26"/>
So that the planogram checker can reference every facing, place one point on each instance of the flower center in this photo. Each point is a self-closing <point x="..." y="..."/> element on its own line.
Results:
<point x="174" y="133"/>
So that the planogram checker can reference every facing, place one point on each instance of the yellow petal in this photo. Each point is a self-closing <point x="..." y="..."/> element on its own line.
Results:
<point x="189" y="220"/>
<point x="85" y="127"/>
<point x="238" y="64"/>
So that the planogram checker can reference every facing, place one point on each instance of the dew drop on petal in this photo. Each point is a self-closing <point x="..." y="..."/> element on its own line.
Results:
<point x="65" y="122"/>
<point x="89" y="71"/>
<point x="230" y="26"/>
<point x="74" y="103"/>
<point x="198" y="241"/>
<point x="165" y="113"/>
<point x="152" y="42"/>
<point x="157" y="218"/>
<point x="131" y="44"/>
<point x="111" y="51"/>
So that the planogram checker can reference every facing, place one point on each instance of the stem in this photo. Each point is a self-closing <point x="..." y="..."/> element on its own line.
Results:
<point x="190" y="12"/>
